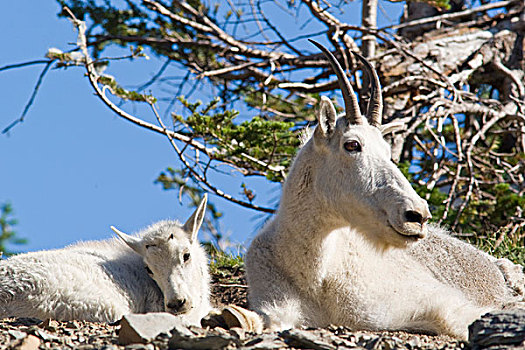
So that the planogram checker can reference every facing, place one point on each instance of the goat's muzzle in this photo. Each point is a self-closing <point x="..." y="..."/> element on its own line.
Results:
<point x="413" y="223"/>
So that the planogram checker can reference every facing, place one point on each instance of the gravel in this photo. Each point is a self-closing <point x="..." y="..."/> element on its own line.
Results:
<point x="88" y="335"/>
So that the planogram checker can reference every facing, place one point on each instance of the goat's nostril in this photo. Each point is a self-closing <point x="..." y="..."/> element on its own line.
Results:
<point x="414" y="216"/>
<point x="176" y="304"/>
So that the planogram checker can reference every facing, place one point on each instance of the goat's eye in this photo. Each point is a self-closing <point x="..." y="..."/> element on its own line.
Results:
<point x="170" y="237"/>
<point x="352" y="146"/>
<point x="186" y="257"/>
<point x="150" y="245"/>
<point x="148" y="270"/>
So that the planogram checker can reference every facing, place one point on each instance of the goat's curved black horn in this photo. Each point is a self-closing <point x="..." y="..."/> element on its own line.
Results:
<point x="375" y="104"/>
<point x="352" y="111"/>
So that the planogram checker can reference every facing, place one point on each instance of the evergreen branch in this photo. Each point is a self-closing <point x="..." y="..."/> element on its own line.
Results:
<point x="199" y="177"/>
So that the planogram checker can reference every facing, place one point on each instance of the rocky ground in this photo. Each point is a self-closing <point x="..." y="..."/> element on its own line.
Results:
<point x="229" y="287"/>
<point x="30" y="334"/>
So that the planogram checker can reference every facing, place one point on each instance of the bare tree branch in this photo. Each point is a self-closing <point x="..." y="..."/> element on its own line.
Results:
<point x="32" y="98"/>
<point x="454" y="15"/>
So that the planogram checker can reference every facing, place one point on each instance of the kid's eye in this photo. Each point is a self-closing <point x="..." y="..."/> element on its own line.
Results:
<point x="186" y="257"/>
<point x="352" y="146"/>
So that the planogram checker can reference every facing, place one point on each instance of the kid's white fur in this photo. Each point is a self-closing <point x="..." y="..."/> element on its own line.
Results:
<point x="104" y="280"/>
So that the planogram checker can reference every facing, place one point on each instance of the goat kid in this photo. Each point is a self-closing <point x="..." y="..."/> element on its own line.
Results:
<point x="163" y="268"/>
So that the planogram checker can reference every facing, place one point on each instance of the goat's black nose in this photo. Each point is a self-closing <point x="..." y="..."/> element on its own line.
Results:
<point x="176" y="304"/>
<point x="416" y="217"/>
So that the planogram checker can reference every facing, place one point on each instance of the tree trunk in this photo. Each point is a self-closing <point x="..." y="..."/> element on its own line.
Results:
<point x="369" y="20"/>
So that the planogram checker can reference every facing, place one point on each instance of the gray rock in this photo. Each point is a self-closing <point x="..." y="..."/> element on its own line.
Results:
<point x="203" y="339"/>
<point x="17" y="334"/>
<point x="109" y="347"/>
<point x="210" y="341"/>
<point x="142" y="328"/>
<point x="140" y="347"/>
<point x="298" y="338"/>
<point x="27" y="343"/>
<point x="265" y="341"/>
<point x="44" y="335"/>
<point x="27" y="321"/>
<point x="49" y="325"/>
<point x="73" y="325"/>
<point x="496" y="330"/>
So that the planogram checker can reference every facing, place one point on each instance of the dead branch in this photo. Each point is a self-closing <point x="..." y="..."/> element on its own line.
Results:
<point x="454" y="15"/>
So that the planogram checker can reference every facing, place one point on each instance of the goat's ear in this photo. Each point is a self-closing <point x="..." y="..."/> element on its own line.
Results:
<point x="391" y="127"/>
<point x="133" y="242"/>
<point x="326" y="116"/>
<point x="194" y="223"/>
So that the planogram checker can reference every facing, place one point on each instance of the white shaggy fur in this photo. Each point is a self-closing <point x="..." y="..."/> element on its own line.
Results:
<point x="104" y="280"/>
<point x="341" y="250"/>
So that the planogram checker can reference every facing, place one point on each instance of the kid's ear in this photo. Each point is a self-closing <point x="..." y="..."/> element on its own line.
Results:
<point x="326" y="117"/>
<point x="194" y="223"/>
<point x="133" y="242"/>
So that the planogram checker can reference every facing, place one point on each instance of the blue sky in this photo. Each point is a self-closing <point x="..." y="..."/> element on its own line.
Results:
<point x="73" y="168"/>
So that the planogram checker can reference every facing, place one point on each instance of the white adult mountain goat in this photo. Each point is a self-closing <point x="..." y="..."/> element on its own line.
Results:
<point x="163" y="268"/>
<point x="350" y="245"/>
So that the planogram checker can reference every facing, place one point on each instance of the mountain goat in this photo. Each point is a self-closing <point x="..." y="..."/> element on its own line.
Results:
<point x="350" y="244"/>
<point x="163" y="268"/>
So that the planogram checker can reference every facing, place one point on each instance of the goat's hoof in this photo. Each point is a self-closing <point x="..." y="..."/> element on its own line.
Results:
<point x="236" y="316"/>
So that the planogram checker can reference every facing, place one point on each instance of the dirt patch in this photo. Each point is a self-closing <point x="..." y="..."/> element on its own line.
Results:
<point x="229" y="287"/>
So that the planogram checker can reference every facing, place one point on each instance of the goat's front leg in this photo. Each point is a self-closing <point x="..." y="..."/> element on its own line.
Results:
<point x="448" y="313"/>
<point x="282" y="314"/>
